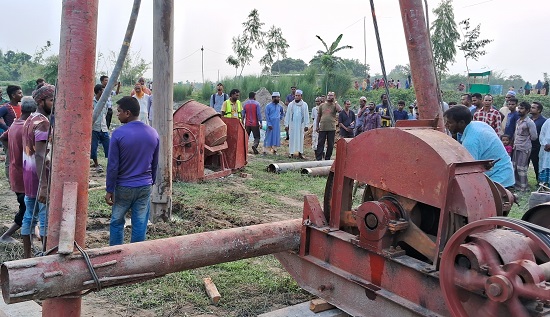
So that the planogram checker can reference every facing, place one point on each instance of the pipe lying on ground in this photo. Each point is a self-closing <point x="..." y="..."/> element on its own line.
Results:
<point x="293" y="166"/>
<point x="58" y="275"/>
<point x="316" y="171"/>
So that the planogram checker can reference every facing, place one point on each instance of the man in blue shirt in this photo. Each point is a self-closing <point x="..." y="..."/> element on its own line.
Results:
<point x="512" y="117"/>
<point x="539" y="119"/>
<point x="482" y="142"/>
<point x="131" y="171"/>
<point x="217" y="99"/>
<point x="400" y="114"/>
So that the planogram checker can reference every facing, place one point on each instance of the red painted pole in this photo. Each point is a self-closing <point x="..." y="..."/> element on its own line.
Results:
<point x="73" y="126"/>
<point x="57" y="275"/>
<point x="421" y="59"/>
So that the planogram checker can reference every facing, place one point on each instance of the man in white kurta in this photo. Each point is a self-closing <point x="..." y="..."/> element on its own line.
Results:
<point x="544" y="154"/>
<point x="314" y="133"/>
<point x="297" y="120"/>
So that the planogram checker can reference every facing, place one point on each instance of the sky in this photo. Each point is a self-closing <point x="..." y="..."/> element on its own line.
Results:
<point x="521" y="41"/>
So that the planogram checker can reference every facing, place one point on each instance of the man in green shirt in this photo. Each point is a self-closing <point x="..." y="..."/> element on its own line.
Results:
<point x="326" y="126"/>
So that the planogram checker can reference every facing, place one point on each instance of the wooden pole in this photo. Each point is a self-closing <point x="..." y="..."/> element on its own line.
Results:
<point x="163" y="66"/>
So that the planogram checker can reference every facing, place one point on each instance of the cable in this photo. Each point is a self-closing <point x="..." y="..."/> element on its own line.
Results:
<point x="187" y="56"/>
<point x="90" y="266"/>
<point x="382" y="64"/>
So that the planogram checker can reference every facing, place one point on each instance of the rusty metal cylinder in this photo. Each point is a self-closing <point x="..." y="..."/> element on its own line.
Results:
<point x="294" y="166"/>
<point x="58" y="275"/>
<point x="316" y="171"/>
<point x="194" y="112"/>
<point x="421" y="60"/>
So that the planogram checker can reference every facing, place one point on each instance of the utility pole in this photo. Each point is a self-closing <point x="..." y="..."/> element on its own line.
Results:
<point x="202" y="63"/>
<point x="163" y="84"/>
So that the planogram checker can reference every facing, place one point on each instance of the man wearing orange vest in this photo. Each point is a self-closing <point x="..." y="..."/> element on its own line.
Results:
<point x="232" y="107"/>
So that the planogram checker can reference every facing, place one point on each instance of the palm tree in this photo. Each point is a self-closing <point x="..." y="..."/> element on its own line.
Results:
<point x="327" y="58"/>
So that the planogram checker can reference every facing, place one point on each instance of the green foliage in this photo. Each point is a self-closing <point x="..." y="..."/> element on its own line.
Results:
<point x="182" y="92"/>
<point x="272" y="41"/>
<point x="243" y="52"/>
<point x="400" y="72"/>
<point x="288" y="65"/>
<point x="307" y="82"/>
<point x="355" y="66"/>
<point x="206" y="91"/>
<point x="328" y="61"/>
<point x="134" y="67"/>
<point x="327" y="58"/>
<point x="275" y="44"/>
<point x="338" y="82"/>
<point x="444" y="36"/>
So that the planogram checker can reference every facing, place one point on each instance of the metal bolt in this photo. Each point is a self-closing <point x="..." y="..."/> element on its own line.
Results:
<point x="539" y="307"/>
<point x="494" y="290"/>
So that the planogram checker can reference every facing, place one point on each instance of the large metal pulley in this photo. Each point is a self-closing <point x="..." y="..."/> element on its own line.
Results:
<point x="497" y="267"/>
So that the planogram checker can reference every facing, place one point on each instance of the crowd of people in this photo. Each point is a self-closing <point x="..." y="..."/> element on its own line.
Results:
<point x="517" y="126"/>
<point x="26" y="125"/>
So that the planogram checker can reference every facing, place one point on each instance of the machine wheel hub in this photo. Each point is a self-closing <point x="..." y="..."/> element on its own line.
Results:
<point x="499" y="288"/>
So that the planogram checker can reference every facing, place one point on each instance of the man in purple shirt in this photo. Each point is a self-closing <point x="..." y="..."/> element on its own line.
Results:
<point x="131" y="171"/>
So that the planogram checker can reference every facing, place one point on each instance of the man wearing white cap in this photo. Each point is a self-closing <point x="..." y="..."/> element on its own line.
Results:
<point x="274" y="114"/>
<point x="296" y="120"/>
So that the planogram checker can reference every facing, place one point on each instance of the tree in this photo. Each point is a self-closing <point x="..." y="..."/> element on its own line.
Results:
<point x="288" y="65"/>
<point x="252" y="32"/>
<point x="444" y="36"/>
<point x="400" y="72"/>
<point x="327" y="58"/>
<point x="233" y="62"/>
<point x="275" y="45"/>
<point x="357" y="68"/>
<point x="243" y="53"/>
<point x="272" y="41"/>
<point x="471" y="46"/>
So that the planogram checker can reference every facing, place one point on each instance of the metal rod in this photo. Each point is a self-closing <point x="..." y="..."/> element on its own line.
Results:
<point x="421" y="59"/>
<point x="72" y="132"/>
<point x="285" y="167"/>
<point x="163" y="86"/>
<point x="120" y="60"/>
<point x="144" y="260"/>
<point x="382" y="64"/>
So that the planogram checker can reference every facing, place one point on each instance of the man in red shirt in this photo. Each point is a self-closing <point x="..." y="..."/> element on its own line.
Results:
<point x="489" y="115"/>
<point x="252" y="118"/>
<point x="8" y="113"/>
<point x="13" y="138"/>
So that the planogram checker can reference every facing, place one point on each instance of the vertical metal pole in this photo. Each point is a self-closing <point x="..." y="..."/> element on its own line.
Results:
<point x="421" y="59"/>
<point x="202" y="63"/>
<point x="73" y="129"/>
<point x="163" y="86"/>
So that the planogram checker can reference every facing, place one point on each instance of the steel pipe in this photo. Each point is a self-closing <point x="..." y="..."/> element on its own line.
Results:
<point x="72" y="137"/>
<point x="285" y="167"/>
<point x="58" y="275"/>
<point x="316" y="171"/>
<point x="421" y="60"/>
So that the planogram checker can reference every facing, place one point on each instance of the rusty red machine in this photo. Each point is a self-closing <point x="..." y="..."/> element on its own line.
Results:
<point x="206" y="145"/>
<point x="433" y="242"/>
